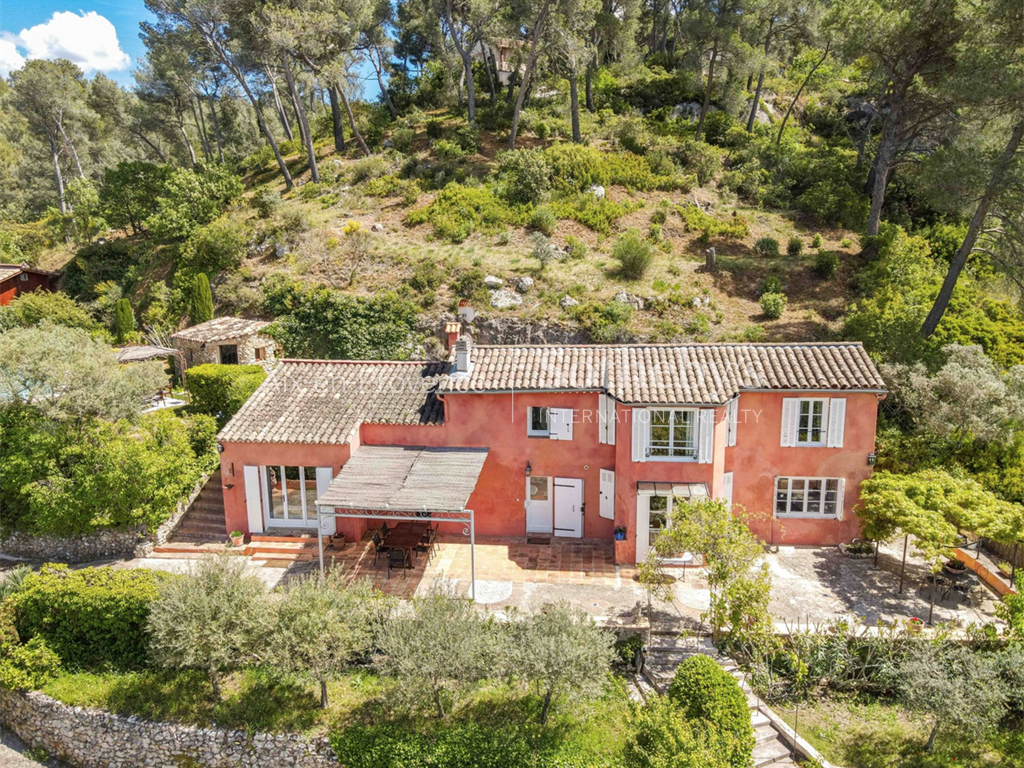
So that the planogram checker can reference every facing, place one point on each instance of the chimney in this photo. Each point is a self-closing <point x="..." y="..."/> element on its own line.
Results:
<point x="452" y="330"/>
<point x="463" y="354"/>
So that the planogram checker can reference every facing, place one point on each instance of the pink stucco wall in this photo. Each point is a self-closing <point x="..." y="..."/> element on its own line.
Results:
<point x="498" y="422"/>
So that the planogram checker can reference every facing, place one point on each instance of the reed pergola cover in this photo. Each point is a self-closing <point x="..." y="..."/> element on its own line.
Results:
<point x="406" y="479"/>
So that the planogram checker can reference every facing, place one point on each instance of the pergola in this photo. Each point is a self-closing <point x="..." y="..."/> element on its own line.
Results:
<point x="392" y="482"/>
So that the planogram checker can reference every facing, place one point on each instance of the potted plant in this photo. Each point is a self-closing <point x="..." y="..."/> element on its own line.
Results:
<point x="237" y="538"/>
<point x="620" y="533"/>
<point x="1005" y="569"/>
<point x="338" y="541"/>
<point x="914" y="624"/>
<point x="955" y="567"/>
<point x="858" y="548"/>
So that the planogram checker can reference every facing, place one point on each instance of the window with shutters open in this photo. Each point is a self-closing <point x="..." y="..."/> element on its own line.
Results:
<point x="537" y="424"/>
<point x="672" y="434"/>
<point x="813" y="422"/>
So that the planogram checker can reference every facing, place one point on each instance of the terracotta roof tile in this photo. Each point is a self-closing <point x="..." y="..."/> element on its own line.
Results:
<point x="681" y="373"/>
<point x="323" y="401"/>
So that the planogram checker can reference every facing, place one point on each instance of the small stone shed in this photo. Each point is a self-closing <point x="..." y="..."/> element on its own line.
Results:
<point x="226" y="340"/>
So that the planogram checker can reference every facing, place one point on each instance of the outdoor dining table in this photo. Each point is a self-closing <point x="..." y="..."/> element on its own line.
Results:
<point x="406" y="536"/>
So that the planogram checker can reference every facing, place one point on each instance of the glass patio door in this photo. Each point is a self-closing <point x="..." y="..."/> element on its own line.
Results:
<point x="289" y="496"/>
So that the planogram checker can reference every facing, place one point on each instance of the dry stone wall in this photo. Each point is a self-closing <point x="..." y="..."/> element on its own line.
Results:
<point x="97" y="739"/>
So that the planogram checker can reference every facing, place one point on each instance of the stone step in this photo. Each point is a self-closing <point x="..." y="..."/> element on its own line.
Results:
<point x="202" y="526"/>
<point x="206" y="512"/>
<point x="758" y="718"/>
<point x="282" y="548"/>
<point x="294" y="557"/>
<point x="302" y="538"/>
<point x="768" y="752"/>
<point x="198" y="538"/>
<point x="765" y="733"/>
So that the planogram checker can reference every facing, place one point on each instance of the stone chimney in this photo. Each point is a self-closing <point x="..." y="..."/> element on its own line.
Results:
<point x="464" y="354"/>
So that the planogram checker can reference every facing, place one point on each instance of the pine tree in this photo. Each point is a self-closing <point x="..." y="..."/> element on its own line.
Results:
<point x="124" y="320"/>
<point x="202" y="300"/>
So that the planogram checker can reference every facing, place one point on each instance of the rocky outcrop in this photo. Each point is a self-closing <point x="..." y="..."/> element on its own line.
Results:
<point x="91" y="738"/>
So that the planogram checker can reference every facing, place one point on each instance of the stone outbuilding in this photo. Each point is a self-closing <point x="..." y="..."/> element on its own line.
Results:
<point x="226" y="340"/>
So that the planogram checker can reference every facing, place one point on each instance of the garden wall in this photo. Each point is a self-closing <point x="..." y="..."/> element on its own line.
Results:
<point x="101" y="545"/>
<point x="92" y="738"/>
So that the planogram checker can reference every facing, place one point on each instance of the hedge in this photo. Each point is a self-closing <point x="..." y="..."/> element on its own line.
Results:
<point x="92" y="617"/>
<point x="220" y="390"/>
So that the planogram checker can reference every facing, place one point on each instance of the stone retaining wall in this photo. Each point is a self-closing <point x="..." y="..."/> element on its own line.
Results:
<point x="101" y="545"/>
<point x="91" y="738"/>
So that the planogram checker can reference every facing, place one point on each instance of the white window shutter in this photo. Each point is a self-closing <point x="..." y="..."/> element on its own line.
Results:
<point x="790" y="420"/>
<point x="640" y="419"/>
<point x="705" y="435"/>
<point x="324" y="475"/>
<point x="612" y="418"/>
<point x="560" y="423"/>
<point x="607" y="508"/>
<point x="836" y="422"/>
<point x="732" y="412"/>
<point x="253" y="506"/>
<point x="606" y="420"/>
<point x="841" y="498"/>
<point x="727" y="488"/>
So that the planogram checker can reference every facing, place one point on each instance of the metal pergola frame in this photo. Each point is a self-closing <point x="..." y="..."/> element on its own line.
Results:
<point x="464" y="516"/>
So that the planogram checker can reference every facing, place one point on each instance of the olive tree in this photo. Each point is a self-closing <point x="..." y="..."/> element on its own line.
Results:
<point x="959" y="688"/>
<point x="439" y="648"/>
<point x="562" y="651"/>
<point x="321" y="626"/>
<point x="214" y="617"/>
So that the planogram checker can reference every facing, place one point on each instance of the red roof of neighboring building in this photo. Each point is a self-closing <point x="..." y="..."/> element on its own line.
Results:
<point x="7" y="271"/>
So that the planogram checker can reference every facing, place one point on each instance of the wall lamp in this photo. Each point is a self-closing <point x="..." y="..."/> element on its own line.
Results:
<point x="872" y="458"/>
<point x="529" y="469"/>
<point x="220" y="447"/>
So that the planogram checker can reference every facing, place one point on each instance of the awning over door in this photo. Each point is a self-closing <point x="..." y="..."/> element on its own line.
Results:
<point x="681" y="490"/>
<point x="406" y="479"/>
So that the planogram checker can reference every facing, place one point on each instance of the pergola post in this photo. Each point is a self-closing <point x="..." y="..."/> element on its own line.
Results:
<point x="472" y="555"/>
<point x="903" y="567"/>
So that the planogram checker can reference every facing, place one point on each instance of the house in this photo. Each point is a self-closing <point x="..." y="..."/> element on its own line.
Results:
<point x="570" y="441"/>
<point x="16" y="279"/>
<point x="502" y="52"/>
<point x="226" y="340"/>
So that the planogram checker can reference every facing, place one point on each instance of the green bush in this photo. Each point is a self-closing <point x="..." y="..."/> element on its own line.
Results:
<point x="28" y="667"/>
<point x="826" y="264"/>
<point x="604" y="322"/>
<point x="220" y="390"/>
<point x="795" y="246"/>
<point x="575" y="248"/>
<point x="633" y="253"/>
<point x="447" y="149"/>
<point x="627" y="648"/>
<point x="767" y="246"/>
<point x="525" y="176"/>
<point x="367" y="168"/>
<point x="598" y="214"/>
<point x="36" y="307"/>
<point x="392" y="185"/>
<point x="544" y="219"/>
<point x="217" y="246"/>
<point x="702" y="159"/>
<point x="660" y="735"/>
<point x="401" y="139"/>
<point x="457" y="211"/>
<point x="124" y="321"/>
<point x="770" y="284"/>
<point x="435" y="128"/>
<point x="266" y="202"/>
<point x="577" y="167"/>
<point x="816" y="242"/>
<point x="704" y="691"/>
<point x="91" y="617"/>
<point x="773" y="305"/>
<point x="696" y="220"/>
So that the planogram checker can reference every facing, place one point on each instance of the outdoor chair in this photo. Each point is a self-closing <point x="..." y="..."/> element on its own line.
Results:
<point x="384" y="531"/>
<point x="428" y="543"/>
<point x="397" y="558"/>
<point x="378" y="547"/>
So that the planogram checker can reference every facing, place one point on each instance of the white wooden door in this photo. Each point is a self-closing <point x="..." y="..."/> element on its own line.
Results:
<point x="569" y="507"/>
<point x="607" y="509"/>
<point x="538" y="505"/>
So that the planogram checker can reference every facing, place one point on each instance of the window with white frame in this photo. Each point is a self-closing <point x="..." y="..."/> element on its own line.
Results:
<point x="809" y="497"/>
<point x="811" y="421"/>
<point x="672" y="434"/>
<point x="290" y="494"/>
<point x="538" y="424"/>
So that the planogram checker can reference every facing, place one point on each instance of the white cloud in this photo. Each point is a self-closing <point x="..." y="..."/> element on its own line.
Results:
<point x="10" y="59"/>
<point x="87" y="39"/>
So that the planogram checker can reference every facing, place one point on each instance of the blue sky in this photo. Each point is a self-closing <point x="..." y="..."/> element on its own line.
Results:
<point x="98" y="35"/>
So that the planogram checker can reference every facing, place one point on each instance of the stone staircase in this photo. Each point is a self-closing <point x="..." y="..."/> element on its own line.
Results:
<point x="203" y="529"/>
<point x="667" y="652"/>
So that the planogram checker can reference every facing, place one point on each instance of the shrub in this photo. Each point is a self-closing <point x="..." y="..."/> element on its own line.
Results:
<point x="627" y="648"/>
<point x="217" y="246"/>
<point x="544" y="219"/>
<point x="604" y="322"/>
<point x="124" y="321"/>
<point x="435" y="128"/>
<point x="795" y="246"/>
<point x="28" y="667"/>
<point x="767" y="246"/>
<point x="368" y="168"/>
<point x="660" y="735"/>
<point x="773" y="305"/>
<point x="401" y="139"/>
<point x="633" y="253"/>
<point x="696" y="220"/>
<point x="266" y="202"/>
<point x="826" y="264"/>
<point x="448" y="150"/>
<point x="200" y="308"/>
<point x="770" y="284"/>
<point x="575" y="248"/>
<point x="542" y="249"/>
<point x="426" y="276"/>
<point x="193" y="198"/>
<point x="816" y="242"/>
<point x="598" y="214"/>
<point x="705" y="691"/>
<point x="576" y="167"/>
<point x="525" y="175"/>
<point x="220" y="390"/>
<point x="458" y="211"/>
<point x="33" y="308"/>
<point x="90" y="617"/>
<point x="703" y="159"/>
